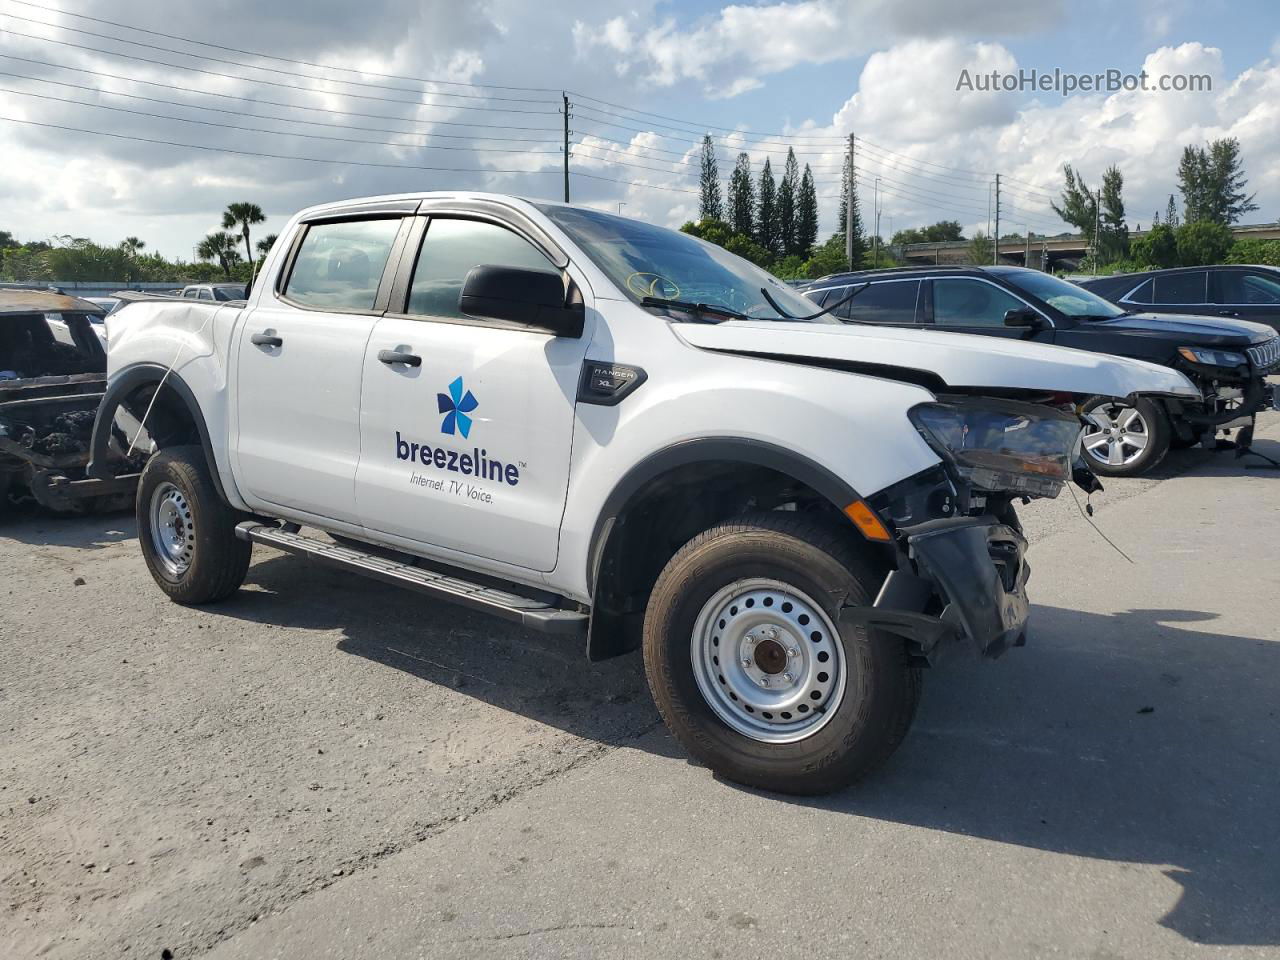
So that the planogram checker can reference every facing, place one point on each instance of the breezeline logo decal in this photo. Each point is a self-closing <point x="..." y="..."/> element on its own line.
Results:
<point x="455" y="405"/>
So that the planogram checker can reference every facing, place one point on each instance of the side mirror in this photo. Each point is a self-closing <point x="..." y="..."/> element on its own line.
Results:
<point x="1023" y="317"/>
<point x="531" y="298"/>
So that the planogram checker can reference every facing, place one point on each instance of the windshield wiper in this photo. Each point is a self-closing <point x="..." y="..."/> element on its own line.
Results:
<point x="813" y="316"/>
<point x="698" y="308"/>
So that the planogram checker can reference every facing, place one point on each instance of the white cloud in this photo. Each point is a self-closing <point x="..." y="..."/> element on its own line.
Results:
<point x="732" y="51"/>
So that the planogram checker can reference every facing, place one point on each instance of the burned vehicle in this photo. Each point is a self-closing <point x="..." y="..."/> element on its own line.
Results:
<point x="50" y="388"/>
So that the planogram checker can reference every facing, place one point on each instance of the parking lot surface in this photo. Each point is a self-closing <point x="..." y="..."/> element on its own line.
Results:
<point x="327" y="767"/>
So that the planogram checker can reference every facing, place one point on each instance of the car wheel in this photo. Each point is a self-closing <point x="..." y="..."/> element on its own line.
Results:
<point x="187" y="531"/>
<point x="1123" y="438"/>
<point x="750" y="669"/>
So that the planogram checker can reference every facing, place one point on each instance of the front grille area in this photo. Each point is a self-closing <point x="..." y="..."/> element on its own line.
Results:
<point x="1267" y="356"/>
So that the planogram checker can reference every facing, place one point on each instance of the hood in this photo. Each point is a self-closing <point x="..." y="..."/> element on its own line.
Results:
<point x="1188" y="330"/>
<point x="960" y="360"/>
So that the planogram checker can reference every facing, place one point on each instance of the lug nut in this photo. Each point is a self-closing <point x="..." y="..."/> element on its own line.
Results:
<point x="746" y="661"/>
<point x="787" y="677"/>
<point x="793" y="652"/>
<point x="764" y="681"/>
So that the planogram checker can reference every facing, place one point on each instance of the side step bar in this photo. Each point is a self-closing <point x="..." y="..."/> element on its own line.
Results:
<point x="534" y="614"/>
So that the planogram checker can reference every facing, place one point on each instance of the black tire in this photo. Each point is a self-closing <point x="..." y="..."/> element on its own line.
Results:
<point x="218" y="560"/>
<point x="1155" y="425"/>
<point x="882" y="688"/>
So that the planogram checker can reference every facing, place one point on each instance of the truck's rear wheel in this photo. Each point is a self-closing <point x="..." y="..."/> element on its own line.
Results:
<point x="750" y="671"/>
<point x="187" y="531"/>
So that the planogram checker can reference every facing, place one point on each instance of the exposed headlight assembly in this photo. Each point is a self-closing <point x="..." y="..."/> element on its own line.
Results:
<point x="1002" y="446"/>
<point x="1212" y="358"/>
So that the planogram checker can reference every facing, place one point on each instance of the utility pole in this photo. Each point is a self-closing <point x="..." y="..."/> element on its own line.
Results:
<point x="1026" y="255"/>
<point x="849" y="204"/>
<point x="995" y="246"/>
<point x="565" y="96"/>
<point x="875" y="240"/>
<point x="1097" y="222"/>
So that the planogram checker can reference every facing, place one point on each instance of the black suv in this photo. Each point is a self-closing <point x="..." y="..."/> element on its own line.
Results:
<point x="1246" y="292"/>
<point x="1226" y="358"/>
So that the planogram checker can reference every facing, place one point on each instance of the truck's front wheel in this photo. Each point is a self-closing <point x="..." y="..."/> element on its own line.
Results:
<point x="186" y="531"/>
<point x="750" y="671"/>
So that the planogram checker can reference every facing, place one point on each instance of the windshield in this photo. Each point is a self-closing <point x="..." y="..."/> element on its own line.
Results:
<point x="1064" y="297"/>
<point x="648" y="261"/>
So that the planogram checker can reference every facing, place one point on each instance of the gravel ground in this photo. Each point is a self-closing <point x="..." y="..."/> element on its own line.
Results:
<point x="168" y="776"/>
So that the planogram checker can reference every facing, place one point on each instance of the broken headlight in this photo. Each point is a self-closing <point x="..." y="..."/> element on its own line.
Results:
<point x="1002" y="446"/>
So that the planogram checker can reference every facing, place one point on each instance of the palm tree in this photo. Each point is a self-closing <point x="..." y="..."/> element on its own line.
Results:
<point x="266" y="243"/>
<point x="131" y="246"/>
<point x="243" y="215"/>
<point x="220" y="247"/>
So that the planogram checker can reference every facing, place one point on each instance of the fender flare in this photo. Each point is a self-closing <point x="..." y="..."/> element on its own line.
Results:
<point x="705" y="450"/>
<point x="125" y="382"/>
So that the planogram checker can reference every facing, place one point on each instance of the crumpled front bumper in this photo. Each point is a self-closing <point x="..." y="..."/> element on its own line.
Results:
<point x="974" y="568"/>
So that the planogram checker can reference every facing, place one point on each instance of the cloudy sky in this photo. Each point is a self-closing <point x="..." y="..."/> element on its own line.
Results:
<point x="130" y="118"/>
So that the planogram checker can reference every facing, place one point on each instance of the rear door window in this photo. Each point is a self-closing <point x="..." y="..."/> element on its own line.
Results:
<point x="339" y="265"/>
<point x="887" y="301"/>
<point x="960" y="302"/>
<point x="1140" y="295"/>
<point x="1181" y="288"/>
<point x="1248" y="289"/>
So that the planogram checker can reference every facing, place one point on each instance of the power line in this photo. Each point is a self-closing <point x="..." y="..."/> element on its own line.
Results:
<point x="279" y="133"/>
<point x="272" y="83"/>
<point x="253" y="66"/>
<point x="241" y="113"/>
<point x="269" y="156"/>
<point x="268" y="56"/>
<point x="272" y="103"/>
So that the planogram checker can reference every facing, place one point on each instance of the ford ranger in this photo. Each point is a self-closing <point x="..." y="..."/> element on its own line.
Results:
<point x="599" y="427"/>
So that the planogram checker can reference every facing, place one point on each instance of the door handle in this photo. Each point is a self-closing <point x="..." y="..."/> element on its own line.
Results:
<point x="1228" y="313"/>
<point x="266" y="340"/>
<point x="396" y="356"/>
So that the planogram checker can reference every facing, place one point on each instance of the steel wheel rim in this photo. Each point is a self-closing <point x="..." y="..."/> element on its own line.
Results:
<point x="768" y="660"/>
<point x="173" y="534"/>
<point x="1117" y="434"/>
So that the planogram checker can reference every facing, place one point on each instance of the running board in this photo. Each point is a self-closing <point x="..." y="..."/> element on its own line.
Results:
<point x="534" y="614"/>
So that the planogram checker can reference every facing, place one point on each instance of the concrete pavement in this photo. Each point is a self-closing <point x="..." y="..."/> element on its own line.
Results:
<point x="1109" y="791"/>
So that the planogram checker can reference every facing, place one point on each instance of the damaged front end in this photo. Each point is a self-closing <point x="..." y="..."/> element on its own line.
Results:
<point x="961" y="569"/>
<point x="52" y="378"/>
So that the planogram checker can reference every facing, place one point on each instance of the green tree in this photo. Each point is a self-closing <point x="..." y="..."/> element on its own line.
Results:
<point x="1213" y="183"/>
<point x="980" y="248"/>
<point x="768" y="232"/>
<point x="742" y="198"/>
<point x="1203" y="243"/>
<point x="849" y="204"/>
<point x="787" y="196"/>
<point x="1079" y="206"/>
<point x="1171" y="213"/>
<point x="710" y="206"/>
<point x="828" y="258"/>
<point x="132" y="246"/>
<point x="243" y="215"/>
<point x="219" y="247"/>
<point x="806" y="214"/>
<point x="1157" y="248"/>
<point x="266" y="243"/>
<point x="1264" y="252"/>
<point x="748" y="249"/>
<point x="943" y="231"/>
<point x="1113" y="244"/>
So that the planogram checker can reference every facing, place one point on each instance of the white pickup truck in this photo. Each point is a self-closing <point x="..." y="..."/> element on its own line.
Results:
<point x="599" y="427"/>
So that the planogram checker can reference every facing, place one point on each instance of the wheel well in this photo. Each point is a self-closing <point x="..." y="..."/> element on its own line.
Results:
<point x="666" y="513"/>
<point x="169" y="420"/>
